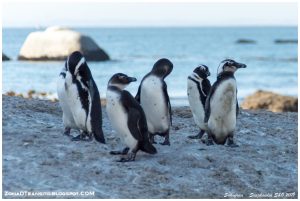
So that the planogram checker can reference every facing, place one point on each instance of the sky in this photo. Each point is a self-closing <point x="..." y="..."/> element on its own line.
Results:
<point x="105" y="14"/>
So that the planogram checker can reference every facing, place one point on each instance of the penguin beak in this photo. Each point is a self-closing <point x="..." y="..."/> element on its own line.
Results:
<point x="208" y="74"/>
<point x="131" y="79"/>
<point x="240" y="65"/>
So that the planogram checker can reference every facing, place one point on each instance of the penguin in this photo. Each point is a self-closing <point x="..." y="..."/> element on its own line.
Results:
<point x="198" y="87"/>
<point x="68" y="119"/>
<point x="127" y="118"/>
<point x="153" y="96"/>
<point x="221" y="107"/>
<point x="80" y="99"/>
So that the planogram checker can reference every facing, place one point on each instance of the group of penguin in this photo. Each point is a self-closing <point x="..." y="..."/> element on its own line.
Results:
<point x="138" y="119"/>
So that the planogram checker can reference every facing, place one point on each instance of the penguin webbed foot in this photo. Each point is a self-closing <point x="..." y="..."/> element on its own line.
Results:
<point x="209" y="141"/>
<point x="194" y="136"/>
<point x="231" y="143"/>
<point x="67" y="131"/>
<point x="122" y="152"/>
<point x="130" y="158"/>
<point x="167" y="141"/>
<point x="151" y="139"/>
<point x="198" y="136"/>
<point x="83" y="137"/>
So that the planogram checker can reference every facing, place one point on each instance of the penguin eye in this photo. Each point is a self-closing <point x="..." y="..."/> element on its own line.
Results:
<point x="121" y="77"/>
<point x="229" y="64"/>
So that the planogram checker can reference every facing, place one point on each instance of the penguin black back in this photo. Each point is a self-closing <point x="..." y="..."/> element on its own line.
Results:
<point x="96" y="113"/>
<point x="137" y="116"/>
<point x="82" y="77"/>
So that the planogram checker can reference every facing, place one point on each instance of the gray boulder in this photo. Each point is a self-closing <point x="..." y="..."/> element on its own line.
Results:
<point x="285" y="41"/>
<point x="246" y="41"/>
<point x="5" y="58"/>
<point x="56" y="43"/>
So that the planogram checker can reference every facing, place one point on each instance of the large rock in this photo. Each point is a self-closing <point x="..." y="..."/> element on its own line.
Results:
<point x="56" y="43"/>
<point x="5" y="58"/>
<point x="284" y="41"/>
<point x="271" y="101"/>
<point x="245" y="41"/>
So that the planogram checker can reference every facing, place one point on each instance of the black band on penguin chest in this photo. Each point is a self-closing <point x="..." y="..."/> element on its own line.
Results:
<point x="114" y="88"/>
<point x="202" y="96"/>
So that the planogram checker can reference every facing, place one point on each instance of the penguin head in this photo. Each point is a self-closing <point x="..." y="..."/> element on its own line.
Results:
<point x="162" y="68"/>
<point x="229" y="65"/>
<point x="120" y="80"/>
<point x="201" y="71"/>
<point x="76" y="63"/>
<point x="78" y="68"/>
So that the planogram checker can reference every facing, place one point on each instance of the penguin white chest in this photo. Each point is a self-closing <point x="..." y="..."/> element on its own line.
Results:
<point x="155" y="105"/>
<point x="119" y="118"/>
<point x="68" y="119"/>
<point x="196" y="105"/>
<point x="222" y="119"/>
<point x="76" y="107"/>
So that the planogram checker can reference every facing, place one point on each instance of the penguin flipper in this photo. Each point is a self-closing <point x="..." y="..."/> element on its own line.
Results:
<point x="207" y="107"/>
<point x="167" y="100"/>
<point x="148" y="147"/>
<point x="96" y="112"/>
<point x="237" y="105"/>
<point x="136" y="118"/>
<point x="138" y="95"/>
<point x="134" y="124"/>
<point x="207" y="102"/>
<point x="237" y="108"/>
<point x="139" y="130"/>
<point x="206" y="86"/>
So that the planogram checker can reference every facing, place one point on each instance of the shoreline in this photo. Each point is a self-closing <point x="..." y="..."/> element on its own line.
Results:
<point x="175" y="101"/>
<point x="264" y="162"/>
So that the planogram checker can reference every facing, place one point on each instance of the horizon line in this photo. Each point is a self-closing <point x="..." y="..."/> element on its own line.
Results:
<point x="154" y="26"/>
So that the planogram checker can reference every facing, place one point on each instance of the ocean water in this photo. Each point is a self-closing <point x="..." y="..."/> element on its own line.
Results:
<point x="133" y="51"/>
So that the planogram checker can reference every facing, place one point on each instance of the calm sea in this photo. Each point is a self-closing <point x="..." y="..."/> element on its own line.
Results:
<point x="133" y="51"/>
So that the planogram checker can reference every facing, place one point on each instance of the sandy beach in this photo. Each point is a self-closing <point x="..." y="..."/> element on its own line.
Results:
<point x="37" y="157"/>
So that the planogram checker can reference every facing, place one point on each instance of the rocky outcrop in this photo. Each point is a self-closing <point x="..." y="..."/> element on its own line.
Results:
<point x="284" y="41"/>
<point x="271" y="101"/>
<point x="246" y="41"/>
<point x="5" y="58"/>
<point x="56" y="43"/>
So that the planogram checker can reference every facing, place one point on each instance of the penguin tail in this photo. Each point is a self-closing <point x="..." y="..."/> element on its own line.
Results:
<point x="148" y="148"/>
<point x="98" y="135"/>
